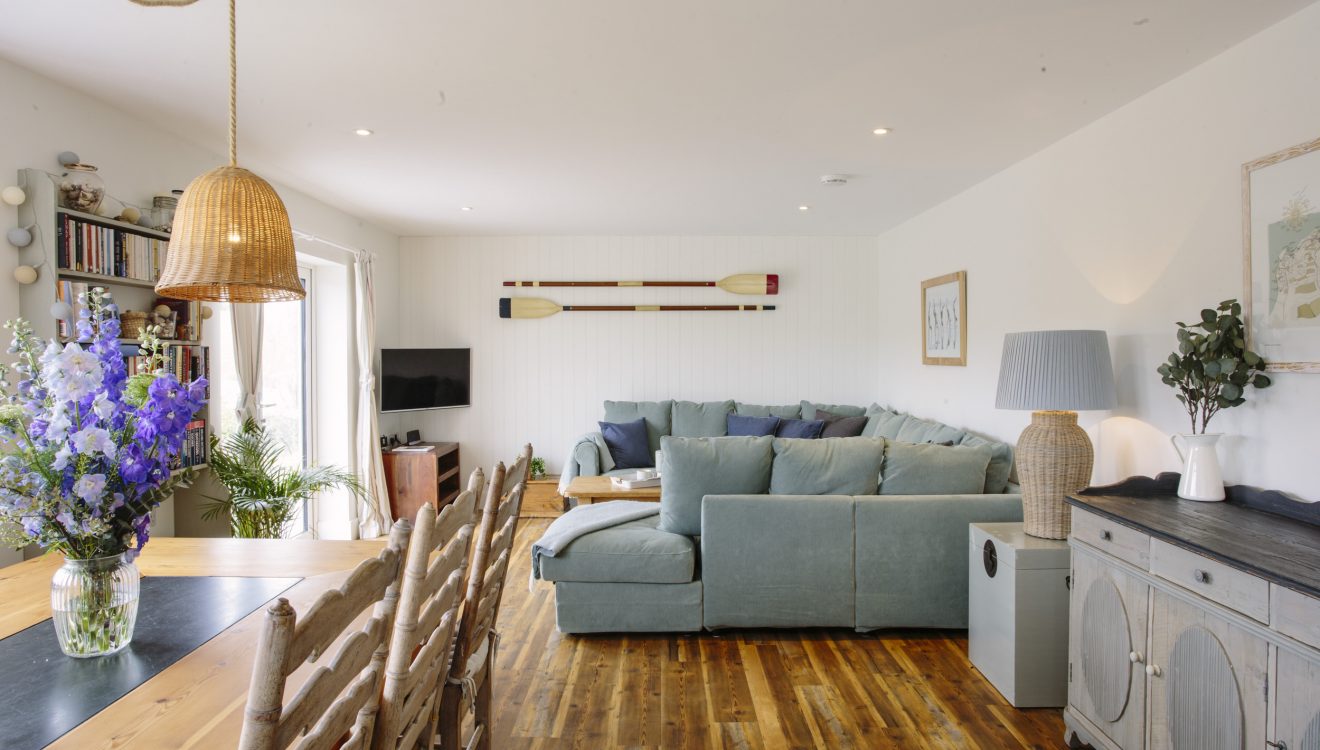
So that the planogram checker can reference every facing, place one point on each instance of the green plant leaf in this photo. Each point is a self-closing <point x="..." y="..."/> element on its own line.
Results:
<point x="1262" y="381"/>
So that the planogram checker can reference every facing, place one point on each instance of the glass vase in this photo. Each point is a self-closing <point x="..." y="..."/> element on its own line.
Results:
<point x="94" y="605"/>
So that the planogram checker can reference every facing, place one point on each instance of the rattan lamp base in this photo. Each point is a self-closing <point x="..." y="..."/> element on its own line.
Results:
<point x="1054" y="459"/>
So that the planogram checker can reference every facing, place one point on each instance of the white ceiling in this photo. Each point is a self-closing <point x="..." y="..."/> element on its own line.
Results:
<point x="630" y="117"/>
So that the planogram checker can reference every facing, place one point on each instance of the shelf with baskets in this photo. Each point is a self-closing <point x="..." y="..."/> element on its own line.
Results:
<point x="74" y="251"/>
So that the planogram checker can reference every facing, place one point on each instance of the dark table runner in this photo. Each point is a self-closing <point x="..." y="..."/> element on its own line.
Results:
<point x="44" y="694"/>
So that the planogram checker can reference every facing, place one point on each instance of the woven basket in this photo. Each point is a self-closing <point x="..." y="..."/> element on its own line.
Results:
<point x="132" y="323"/>
<point x="1054" y="459"/>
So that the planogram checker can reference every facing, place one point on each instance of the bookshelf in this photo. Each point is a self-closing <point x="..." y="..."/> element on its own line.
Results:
<point x="67" y="245"/>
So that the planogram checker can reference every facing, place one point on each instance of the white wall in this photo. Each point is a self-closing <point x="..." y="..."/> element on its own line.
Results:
<point x="543" y="380"/>
<point x="1128" y="225"/>
<point x="136" y="159"/>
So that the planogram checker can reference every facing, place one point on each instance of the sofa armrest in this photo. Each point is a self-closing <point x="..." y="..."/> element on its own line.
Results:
<point x="777" y="560"/>
<point x="583" y="461"/>
<point x="912" y="556"/>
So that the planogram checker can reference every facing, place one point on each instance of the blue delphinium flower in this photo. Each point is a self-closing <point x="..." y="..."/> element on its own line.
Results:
<point x="83" y="462"/>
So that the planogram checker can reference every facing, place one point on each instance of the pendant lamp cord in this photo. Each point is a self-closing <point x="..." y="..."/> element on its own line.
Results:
<point x="233" y="86"/>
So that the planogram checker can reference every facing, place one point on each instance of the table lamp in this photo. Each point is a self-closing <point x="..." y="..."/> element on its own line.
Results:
<point x="1055" y="374"/>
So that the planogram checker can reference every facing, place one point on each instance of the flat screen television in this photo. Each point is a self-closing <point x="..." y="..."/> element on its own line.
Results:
<point x="415" y="379"/>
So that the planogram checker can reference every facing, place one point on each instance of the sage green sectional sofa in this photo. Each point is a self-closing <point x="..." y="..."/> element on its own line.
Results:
<point x="860" y="532"/>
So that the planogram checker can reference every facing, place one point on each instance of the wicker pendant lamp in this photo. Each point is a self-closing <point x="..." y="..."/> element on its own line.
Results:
<point x="231" y="240"/>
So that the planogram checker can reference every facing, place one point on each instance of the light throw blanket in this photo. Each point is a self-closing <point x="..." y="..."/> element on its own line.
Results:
<point x="583" y="520"/>
<point x="570" y="469"/>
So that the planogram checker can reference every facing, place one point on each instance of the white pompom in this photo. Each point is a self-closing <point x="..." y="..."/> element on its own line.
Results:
<point x="13" y="195"/>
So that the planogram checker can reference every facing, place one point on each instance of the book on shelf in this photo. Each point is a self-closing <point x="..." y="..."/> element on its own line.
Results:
<point x="193" y="452"/>
<point x="109" y="251"/>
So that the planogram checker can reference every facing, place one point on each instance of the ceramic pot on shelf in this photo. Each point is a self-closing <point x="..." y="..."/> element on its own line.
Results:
<point x="1201" y="477"/>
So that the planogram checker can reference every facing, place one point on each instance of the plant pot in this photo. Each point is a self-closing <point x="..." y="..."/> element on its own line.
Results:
<point x="1201" y="478"/>
<point x="94" y="605"/>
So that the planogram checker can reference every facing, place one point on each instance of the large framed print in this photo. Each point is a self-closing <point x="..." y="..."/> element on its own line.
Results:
<point x="944" y="320"/>
<point x="1281" y="256"/>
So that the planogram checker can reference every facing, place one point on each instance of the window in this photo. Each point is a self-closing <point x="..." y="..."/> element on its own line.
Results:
<point x="286" y="351"/>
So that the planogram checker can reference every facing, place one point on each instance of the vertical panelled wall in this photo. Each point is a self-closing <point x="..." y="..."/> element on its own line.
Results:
<point x="543" y="380"/>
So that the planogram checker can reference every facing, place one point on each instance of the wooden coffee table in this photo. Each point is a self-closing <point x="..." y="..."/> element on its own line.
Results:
<point x="588" y="490"/>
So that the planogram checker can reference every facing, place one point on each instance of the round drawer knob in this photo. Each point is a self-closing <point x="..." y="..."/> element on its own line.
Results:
<point x="1153" y="670"/>
<point x="1201" y="576"/>
<point x="1135" y="657"/>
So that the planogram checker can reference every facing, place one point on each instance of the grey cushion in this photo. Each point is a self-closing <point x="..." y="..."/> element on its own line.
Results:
<point x="696" y="467"/>
<point x="705" y="419"/>
<point x="777" y="561"/>
<point x="658" y="416"/>
<point x="837" y="425"/>
<point x="829" y="466"/>
<point x="843" y="410"/>
<point x="916" y="430"/>
<point x="789" y="411"/>
<point x="884" y="423"/>
<point x="628" y="607"/>
<point x="632" y="552"/>
<point x="1001" y="462"/>
<point x="925" y="469"/>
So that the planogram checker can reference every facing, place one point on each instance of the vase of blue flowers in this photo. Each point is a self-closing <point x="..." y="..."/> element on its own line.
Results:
<point x="85" y="456"/>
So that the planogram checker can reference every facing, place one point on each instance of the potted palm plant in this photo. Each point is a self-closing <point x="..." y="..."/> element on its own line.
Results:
<point x="264" y="496"/>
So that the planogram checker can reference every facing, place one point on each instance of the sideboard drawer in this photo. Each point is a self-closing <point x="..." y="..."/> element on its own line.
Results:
<point x="1212" y="579"/>
<point x="1111" y="537"/>
<point x="1295" y="614"/>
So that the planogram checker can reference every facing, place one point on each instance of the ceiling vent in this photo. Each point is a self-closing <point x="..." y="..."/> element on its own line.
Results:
<point x="834" y="179"/>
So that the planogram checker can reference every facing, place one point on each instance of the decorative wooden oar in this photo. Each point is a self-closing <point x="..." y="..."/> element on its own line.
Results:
<point x="743" y="283"/>
<point x="533" y="307"/>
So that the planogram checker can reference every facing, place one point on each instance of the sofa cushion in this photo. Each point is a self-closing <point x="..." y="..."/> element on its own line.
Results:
<point x="838" y="425"/>
<point x="705" y="419"/>
<point x="628" y="444"/>
<point x="830" y="466"/>
<point x="1001" y="462"/>
<point x="882" y="422"/>
<point x="927" y="469"/>
<point x="916" y="430"/>
<point x="804" y="429"/>
<point x="843" y="410"/>
<point x="696" y="467"/>
<point x="658" y="416"/>
<point x="740" y="426"/>
<point x="632" y="552"/>
<point x="789" y="411"/>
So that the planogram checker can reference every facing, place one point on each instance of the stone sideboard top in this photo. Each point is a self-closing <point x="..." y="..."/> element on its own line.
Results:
<point x="1261" y="532"/>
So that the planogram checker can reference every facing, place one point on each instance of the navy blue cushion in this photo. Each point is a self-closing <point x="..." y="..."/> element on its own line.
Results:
<point x="739" y="425"/>
<point x="628" y="444"/>
<point x="800" y="428"/>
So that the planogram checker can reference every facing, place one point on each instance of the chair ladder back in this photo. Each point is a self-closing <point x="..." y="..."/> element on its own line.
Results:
<point x="339" y="700"/>
<point x="477" y="570"/>
<point x="422" y="644"/>
<point x="520" y="471"/>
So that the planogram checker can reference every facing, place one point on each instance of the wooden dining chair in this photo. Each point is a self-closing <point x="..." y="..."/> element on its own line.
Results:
<point x="477" y="640"/>
<point x="336" y="707"/>
<point x="520" y="471"/>
<point x="422" y="646"/>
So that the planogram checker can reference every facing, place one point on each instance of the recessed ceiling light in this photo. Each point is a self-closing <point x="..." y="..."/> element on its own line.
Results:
<point x="804" y="208"/>
<point x="363" y="132"/>
<point x="881" y="131"/>
<point x="466" y="208"/>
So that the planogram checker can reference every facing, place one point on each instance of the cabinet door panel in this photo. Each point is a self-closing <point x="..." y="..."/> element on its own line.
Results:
<point x="1208" y="687"/>
<point x="1297" y="702"/>
<point x="1107" y="617"/>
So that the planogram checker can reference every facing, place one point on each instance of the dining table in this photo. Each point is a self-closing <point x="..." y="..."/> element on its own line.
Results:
<point x="163" y="690"/>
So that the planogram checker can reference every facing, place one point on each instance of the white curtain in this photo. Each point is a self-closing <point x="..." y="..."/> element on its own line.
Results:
<point x="371" y="469"/>
<point x="246" y="320"/>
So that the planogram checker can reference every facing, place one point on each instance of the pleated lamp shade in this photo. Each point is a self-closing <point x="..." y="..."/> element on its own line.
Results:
<point x="231" y="242"/>
<point x="1057" y="371"/>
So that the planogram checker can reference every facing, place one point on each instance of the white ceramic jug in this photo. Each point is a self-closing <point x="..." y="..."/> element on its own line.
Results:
<point x="1201" y="479"/>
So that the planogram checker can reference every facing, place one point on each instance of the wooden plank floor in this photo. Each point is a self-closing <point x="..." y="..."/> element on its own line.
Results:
<point x="741" y="689"/>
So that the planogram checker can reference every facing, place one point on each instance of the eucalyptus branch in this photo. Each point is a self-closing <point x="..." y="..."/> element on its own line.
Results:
<point x="1212" y="367"/>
